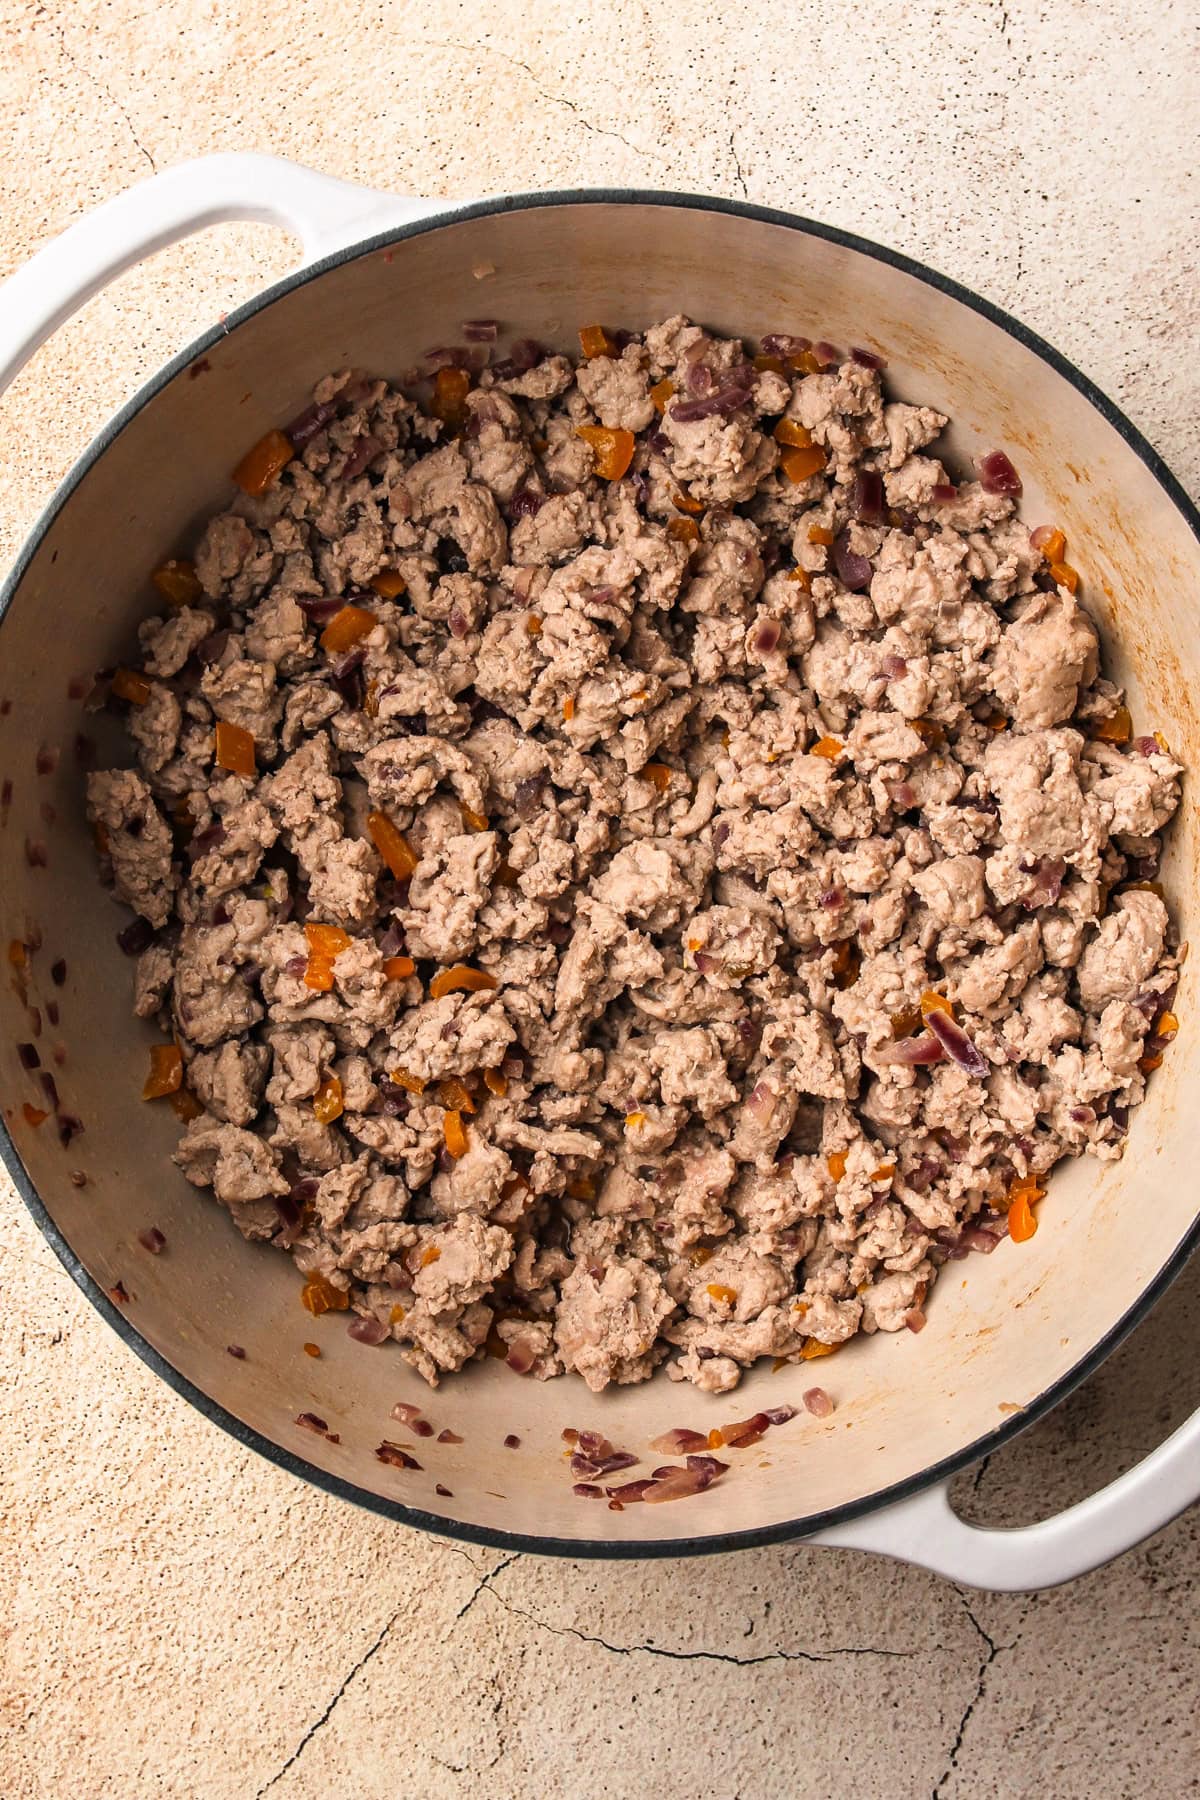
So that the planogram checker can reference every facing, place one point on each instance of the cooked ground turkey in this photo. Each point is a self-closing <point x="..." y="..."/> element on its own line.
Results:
<point x="713" y="775"/>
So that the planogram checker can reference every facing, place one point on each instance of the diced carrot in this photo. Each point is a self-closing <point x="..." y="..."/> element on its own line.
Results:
<point x="396" y="1316"/>
<point x="506" y="876"/>
<point x="449" y="403"/>
<point x="461" y="978"/>
<point x="398" y="968"/>
<point x="658" y="775"/>
<point x="568" y="709"/>
<point x="884" y="1172"/>
<point x="184" y="1105"/>
<point x="495" y="1082"/>
<point x="388" y="584"/>
<point x="1021" y="1221"/>
<point x="346" y="628"/>
<point x="661" y="393"/>
<point x="328" y="1101"/>
<point x="800" y="465"/>
<point x="18" y="955"/>
<point x="814" y="1347"/>
<point x="177" y="582"/>
<point x="595" y="341"/>
<point x="801" y="577"/>
<point x="774" y="364"/>
<point x="430" y="1255"/>
<point x="929" y="731"/>
<point x="634" y="1121"/>
<point x="835" y="1162"/>
<point x="1116" y="729"/>
<point x="263" y="464"/>
<point x="820" y="534"/>
<point x="319" y="1296"/>
<point x="724" y="1296"/>
<point x="996" y="721"/>
<point x="413" y="1083"/>
<point x="1148" y="1064"/>
<point x="34" y="1115"/>
<point x="613" y="449"/>
<point x="791" y="431"/>
<point x="319" y="974"/>
<point x="847" y="964"/>
<point x="683" y="502"/>
<point x="905" y="1023"/>
<point x="829" y="747"/>
<point x="128" y="684"/>
<point x="932" y="1002"/>
<point x="1065" y="576"/>
<point x="166" y="1071"/>
<point x="581" y="1187"/>
<point x="326" y="940"/>
<point x="684" y="531"/>
<point x="1167" y="1026"/>
<point x="807" y="363"/>
<point x="392" y="845"/>
<point x="311" y="1349"/>
<point x="715" y="1438"/>
<point x="472" y="820"/>
<point x="455" y="1133"/>
<point x="454" y="1095"/>
<point x="235" y="750"/>
<point x="533" y="625"/>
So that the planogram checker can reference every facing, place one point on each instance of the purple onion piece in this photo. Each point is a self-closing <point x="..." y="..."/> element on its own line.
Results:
<point x="866" y="359"/>
<point x="944" y="491"/>
<point x="911" y="1052"/>
<point x="781" y="343"/>
<point x="526" y="503"/>
<point x="957" y="1045"/>
<point x="766" y="638"/>
<point x="136" y="936"/>
<point x="305" y="426"/>
<point x="362" y="451"/>
<point x="480" y="331"/>
<point x="367" y="1331"/>
<point x="997" y="475"/>
<point x="868" y="496"/>
<point x="893" y="667"/>
<point x="854" y="571"/>
<point x="319" y="608"/>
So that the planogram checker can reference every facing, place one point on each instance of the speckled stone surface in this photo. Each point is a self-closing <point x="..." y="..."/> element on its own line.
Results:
<point x="182" y="1619"/>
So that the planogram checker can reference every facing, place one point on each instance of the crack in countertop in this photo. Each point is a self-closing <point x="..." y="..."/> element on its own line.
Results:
<point x="95" y="81"/>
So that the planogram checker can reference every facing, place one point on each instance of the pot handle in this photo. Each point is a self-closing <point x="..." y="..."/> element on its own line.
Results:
<point x="925" y="1530"/>
<point x="322" y="212"/>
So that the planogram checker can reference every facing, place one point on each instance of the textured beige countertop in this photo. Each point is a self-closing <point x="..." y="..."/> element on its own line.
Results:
<point x="182" y="1619"/>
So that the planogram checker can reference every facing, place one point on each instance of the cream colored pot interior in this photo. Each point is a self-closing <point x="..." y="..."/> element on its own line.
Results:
<point x="1001" y="1329"/>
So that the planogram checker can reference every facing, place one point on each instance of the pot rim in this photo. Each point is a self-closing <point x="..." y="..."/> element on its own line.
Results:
<point x="594" y="1549"/>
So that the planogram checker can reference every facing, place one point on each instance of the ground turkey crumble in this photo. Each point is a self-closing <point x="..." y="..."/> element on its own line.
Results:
<point x="712" y="771"/>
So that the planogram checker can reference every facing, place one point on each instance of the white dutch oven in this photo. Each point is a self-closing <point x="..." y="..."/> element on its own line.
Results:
<point x="1008" y="1335"/>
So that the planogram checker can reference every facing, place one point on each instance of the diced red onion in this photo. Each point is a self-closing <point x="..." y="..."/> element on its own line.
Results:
<point x="866" y="359"/>
<point x="1040" y="536"/>
<point x="704" y="963"/>
<point x="236" y="1351"/>
<point x="779" y="1415"/>
<point x="35" y="853"/>
<point x="594" y="1443"/>
<point x="447" y="356"/>
<point x="997" y="475"/>
<point x="745" y="1431"/>
<point x="362" y="451"/>
<point x="369" y="1330"/>
<point x="1146" y="746"/>
<point x="527" y="796"/>
<point x="944" y="491"/>
<point x="631" y="1490"/>
<point x="766" y="638"/>
<point x="29" y="1056"/>
<point x="707" y="1465"/>
<point x="58" y="972"/>
<point x="588" y="1491"/>
<point x="914" y="1318"/>
<point x="480" y="331"/>
<point x="817" y="1402"/>
<point x="396" y="1457"/>
<point x="893" y="667"/>
<point x="911" y="1052"/>
<point x="526" y="503"/>
<point x="781" y="343"/>
<point x="868" y="496"/>
<point x="832" y="897"/>
<point x="458" y="623"/>
<point x="854" y="571"/>
<point x="920" y="1178"/>
<point x="1120" y="1117"/>
<point x="312" y="1422"/>
<point x="49" y="1085"/>
<point x="699" y="379"/>
<point x="295" y="965"/>
<point x="319" y="608"/>
<point x="152" y="1240"/>
<point x="679" y="1439"/>
<point x="1083" y="1115"/>
<point x="678" y="1486"/>
<point x="901" y="795"/>
<point x="1048" y="873"/>
<point x="135" y="937"/>
<point x="761" y="1103"/>
<point x="957" y="1044"/>
<point x="447" y="1436"/>
<point x="827" y="352"/>
<point x="305" y="426"/>
<point x="405" y="1412"/>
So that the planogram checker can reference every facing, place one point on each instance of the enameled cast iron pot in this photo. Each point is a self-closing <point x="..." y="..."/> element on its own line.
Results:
<point x="382" y="279"/>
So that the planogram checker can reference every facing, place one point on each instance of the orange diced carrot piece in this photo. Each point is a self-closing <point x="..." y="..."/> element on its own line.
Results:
<point x="801" y="577"/>
<point x="1167" y="1026"/>
<point x="455" y="1133"/>
<point x="166" y="1071"/>
<point x="1065" y="576"/>
<point x="388" y="584"/>
<point x="263" y="464"/>
<point x="613" y="450"/>
<point x="835" y="1162"/>
<point x="328" y="1101"/>
<point x="454" y="1095"/>
<point x="820" y="534"/>
<point x="495" y="1082"/>
<point x="413" y="1083"/>
<point x="472" y="820"/>
<point x="800" y="464"/>
<point x="177" y="582"/>
<point x="235" y="750"/>
<point x="399" y="968"/>
<point x="319" y="1296"/>
<point x="829" y="747"/>
<point x="661" y="393"/>
<point x="568" y="709"/>
<point x="1021" y="1222"/>
<point x="595" y="341"/>
<point x="683" y="502"/>
<point x="932" y="1002"/>
<point x="326" y="940"/>
<point x="684" y="531"/>
<point x="34" y="1115"/>
<point x="807" y="363"/>
<point x="18" y="955"/>
<point x="775" y="364"/>
<point x="392" y="846"/>
<point x="184" y="1105"/>
<point x="725" y="1296"/>
<point x="128" y="684"/>
<point x="462" y="978"/>
<point x="346" y="628"/>
<point x="658" y="774"/>
<point x="533" y="625"/>
<point x="790" y="431"/>
<point x="1117" y="729"/>
<point x="814" y="1347"/>
<point x="319" y="974"/>
<point x="450" y="390"/>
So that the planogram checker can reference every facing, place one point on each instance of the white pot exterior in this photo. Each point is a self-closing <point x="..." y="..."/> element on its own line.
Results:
<point x="1007" y="1332"/>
